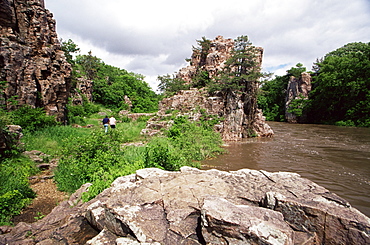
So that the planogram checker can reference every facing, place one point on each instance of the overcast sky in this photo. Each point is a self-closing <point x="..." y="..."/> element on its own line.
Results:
<point x="154" y="37"/>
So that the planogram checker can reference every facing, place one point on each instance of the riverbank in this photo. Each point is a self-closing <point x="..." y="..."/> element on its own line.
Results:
<point x="337" y="158"/>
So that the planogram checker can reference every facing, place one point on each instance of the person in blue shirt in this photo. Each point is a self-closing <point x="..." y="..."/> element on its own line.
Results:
<point x="106" y="124"/>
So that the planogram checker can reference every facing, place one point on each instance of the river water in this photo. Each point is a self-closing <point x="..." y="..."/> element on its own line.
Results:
<point x="337" y="158"/>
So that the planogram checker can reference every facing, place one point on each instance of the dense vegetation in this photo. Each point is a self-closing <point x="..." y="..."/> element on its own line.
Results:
<point x="88" y="154"/>
<point x="272" y="94"/>
<point x="340" y="93"/>
<point x="110" y="85"/>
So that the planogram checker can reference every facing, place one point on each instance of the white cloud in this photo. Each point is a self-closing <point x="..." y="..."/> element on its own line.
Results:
<point x="154" y="37"/>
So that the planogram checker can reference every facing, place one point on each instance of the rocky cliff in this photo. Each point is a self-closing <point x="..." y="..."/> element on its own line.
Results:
<point x="238" y="109"/>
<point x="193" y="206"/>
<point x="31" y="60"/>
<point x="298" y="88"/>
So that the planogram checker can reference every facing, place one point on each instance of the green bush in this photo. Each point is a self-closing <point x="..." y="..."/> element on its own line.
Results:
<point x="31" y="119"/>
<point x="15" y="192"/>
<point x="99" y="158"/>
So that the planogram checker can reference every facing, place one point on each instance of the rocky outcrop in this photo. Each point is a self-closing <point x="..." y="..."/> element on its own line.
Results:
<point x="83" y="91"/>
<point x="10" y="137"/>
<point x="193" y="206"/>
<point x="31" y="60"/>
<point x="219" y="51"/>
<point x="237" y="109"/>
<point x="298" y="88"/>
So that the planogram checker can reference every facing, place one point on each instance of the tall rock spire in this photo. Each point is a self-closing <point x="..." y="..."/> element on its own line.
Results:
<point x="31" y="60"/>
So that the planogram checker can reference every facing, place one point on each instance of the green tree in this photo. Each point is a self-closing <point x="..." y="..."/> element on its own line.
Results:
<point x="88" y="64"/>
<point x="271" y="98"/>
<point x="342" y="87"/>
<point x="242" y="70"/>
<point x="202" y="50"/>
<point x="170" y="85"/>
<point x="272" y="95"/>
<point x="112" y="84"/>
<point x="69" y="48"/>
<point x="296" y="71"/>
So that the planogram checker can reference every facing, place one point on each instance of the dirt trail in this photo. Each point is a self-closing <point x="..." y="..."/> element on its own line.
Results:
<point x="47" y="198"/>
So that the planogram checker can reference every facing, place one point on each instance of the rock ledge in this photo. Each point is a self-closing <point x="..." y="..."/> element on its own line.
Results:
<point x="195" y="206"/>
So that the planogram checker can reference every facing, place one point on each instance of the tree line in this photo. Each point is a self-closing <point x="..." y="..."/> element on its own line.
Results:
<point x="110" y="84"/>
<point x="340" y="92"/>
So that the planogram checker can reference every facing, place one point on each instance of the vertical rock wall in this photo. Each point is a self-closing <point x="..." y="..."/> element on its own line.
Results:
<point x="298" y="88"/>
<point x="31" y="60"/>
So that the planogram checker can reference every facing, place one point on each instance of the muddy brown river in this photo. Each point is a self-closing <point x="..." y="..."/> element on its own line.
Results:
<point x="337" y="158"/>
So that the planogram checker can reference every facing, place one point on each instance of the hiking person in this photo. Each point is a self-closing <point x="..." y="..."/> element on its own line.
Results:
<point x="105" y="124"/>
<point x="112" y="122"/>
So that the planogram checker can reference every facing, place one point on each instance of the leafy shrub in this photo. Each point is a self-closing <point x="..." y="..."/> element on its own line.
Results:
<point x="99" y="158"/>
<point x="11" y="203"/>
<point x="31" y="119"/>
<point x="15" y="192"/>
<point x="77" y="113"/>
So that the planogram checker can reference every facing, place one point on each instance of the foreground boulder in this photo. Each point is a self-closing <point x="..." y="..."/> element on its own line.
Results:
<point x="201" y="207"/>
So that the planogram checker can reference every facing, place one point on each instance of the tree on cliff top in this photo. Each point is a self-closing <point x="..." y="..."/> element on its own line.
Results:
<point x="242" y="70"/>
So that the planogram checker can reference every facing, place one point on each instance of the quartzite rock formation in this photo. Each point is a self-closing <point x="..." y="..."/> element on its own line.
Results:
<point x="298" y="88"/>
<point x="31" y="60"/>
<point x="241" y="118"/>
<point x="195" y="206"/>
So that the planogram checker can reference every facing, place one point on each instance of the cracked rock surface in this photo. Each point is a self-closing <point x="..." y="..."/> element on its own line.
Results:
<point x="194" y="206"/>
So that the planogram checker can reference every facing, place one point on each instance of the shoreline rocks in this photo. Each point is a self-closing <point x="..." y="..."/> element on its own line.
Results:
<point x="194" y="206"/>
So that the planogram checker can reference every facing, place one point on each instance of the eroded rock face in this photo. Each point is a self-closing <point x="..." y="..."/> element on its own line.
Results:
<point x="241" y="117"/>
<point x="31" y="60"/>
<point x="193" y="206"/>
<point x="10" y="137"/>
<point x="298" y="88"/>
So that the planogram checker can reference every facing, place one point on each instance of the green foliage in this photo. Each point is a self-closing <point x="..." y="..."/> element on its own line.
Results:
<point x="113" y="84"/>
<point x="77" y="113"/>
<point x="272" y="94"/>
<point x="15" y="192"/>
<point x="31" y="119"/>
<point x="195" y="141"/>
<point x="69" y="47"/>
<point x="241" y="70"/>
<point x="296" y="71"/>
<point x="100" y="158"/>
<point x="297" y="106"/>
<point x="342" y="87"/>
<point x="52" y="140"/>
<point x="88" y="65"/>
<point x="171" y="85"/>
<point x="201" y="79"/>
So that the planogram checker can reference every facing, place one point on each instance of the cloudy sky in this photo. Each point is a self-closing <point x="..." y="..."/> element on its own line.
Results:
<point x="154" y="37"/>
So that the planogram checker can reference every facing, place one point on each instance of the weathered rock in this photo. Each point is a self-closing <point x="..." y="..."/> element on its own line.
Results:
<point x="31" y="60"/>
<point x="10" y="137"/>
<point x="241" y="117"/>
<point x="193" y="103"/>
<point x="83" y="90"/>
<point x="193" y="206"/>
<point x="37" y="156"/>
<point x="298" y="88"/>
